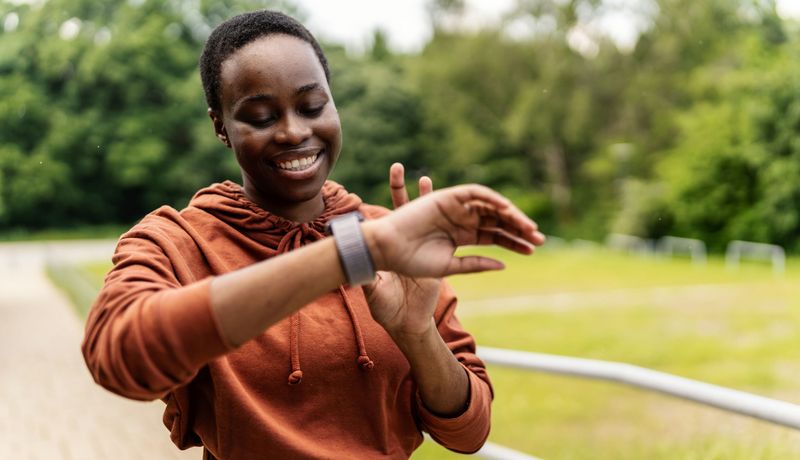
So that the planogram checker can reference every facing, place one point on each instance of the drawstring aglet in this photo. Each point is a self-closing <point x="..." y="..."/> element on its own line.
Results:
<point x="365" y="362"/>
<point x="295" y="377"/>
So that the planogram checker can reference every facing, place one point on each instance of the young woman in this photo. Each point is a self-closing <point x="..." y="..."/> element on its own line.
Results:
<point x="266" y="337"/>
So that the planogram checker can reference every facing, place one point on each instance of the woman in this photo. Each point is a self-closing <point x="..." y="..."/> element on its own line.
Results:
<point x="213" y="309"/>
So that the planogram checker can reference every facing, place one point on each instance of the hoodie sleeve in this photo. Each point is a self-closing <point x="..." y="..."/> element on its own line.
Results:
<point x="466" y="432"/>
<point x="148" y="332"/>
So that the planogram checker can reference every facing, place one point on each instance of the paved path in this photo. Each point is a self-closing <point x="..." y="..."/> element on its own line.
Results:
<point x="50" y="408"/>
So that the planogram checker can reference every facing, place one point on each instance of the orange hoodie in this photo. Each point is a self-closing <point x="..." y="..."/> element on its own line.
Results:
<point x="327" y="382"/>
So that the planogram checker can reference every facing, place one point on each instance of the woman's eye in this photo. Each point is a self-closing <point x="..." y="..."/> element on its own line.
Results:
<point x="262" y="121"/>
<point x="312" y="111"/>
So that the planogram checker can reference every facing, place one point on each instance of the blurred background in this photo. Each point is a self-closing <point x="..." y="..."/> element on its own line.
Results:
<point x="616" y="124"/>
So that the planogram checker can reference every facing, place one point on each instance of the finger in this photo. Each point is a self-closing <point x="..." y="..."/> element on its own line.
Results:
<point x="425" y="185"/>
<point x="397" y="183"/>
<point x="534" y="236"/>
<point x="479" y="193"/>
<point x="498" y="237"/>
<point x="473" y="264"/>
<point x="508" y="214"/>
<point x="510" y="220"/>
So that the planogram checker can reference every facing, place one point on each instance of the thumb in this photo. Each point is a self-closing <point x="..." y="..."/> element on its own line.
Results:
<point x="473" y="264"/>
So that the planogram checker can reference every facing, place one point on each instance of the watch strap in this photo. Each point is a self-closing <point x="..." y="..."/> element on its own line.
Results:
<point x="353" y="251"/>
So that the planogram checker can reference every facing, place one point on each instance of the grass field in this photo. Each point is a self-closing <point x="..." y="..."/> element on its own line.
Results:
<point x="76" y="233"/>
<point x="737" y="329"/>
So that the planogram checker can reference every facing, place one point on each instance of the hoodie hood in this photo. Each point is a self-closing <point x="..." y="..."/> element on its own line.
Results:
<point x="226" y="201"/>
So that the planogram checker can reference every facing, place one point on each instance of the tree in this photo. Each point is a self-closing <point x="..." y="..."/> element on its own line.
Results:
<point x="733" y="169"/>
<point x="381" y="119"/>
<point x="103" y="111"/>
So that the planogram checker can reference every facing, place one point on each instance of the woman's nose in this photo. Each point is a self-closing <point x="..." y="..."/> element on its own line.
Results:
<point x="293" y="130"/>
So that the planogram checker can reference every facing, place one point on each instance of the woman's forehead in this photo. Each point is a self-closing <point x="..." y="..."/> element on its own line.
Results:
<point x="276" y="64"/>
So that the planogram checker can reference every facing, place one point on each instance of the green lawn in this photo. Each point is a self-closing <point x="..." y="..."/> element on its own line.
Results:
<point x="80" y="283"/>
<point x="75" y="233"/>
<point x="738" y="329"/>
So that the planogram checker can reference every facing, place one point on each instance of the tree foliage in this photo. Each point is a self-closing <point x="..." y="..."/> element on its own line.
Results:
<point x="735" y="170"/>
<point x="692" y="131"/>
<point x="102" y="111"/>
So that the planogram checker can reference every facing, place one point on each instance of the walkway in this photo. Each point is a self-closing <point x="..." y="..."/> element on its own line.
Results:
<point x="50" y="408"/>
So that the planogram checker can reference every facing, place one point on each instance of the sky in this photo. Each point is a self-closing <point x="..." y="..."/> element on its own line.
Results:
<point x="407" y="25"/>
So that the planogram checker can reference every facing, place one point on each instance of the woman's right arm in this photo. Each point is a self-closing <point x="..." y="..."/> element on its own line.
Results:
<point x="248" y="301"/>
<point x="418" y="240"/>
<point x="184" y="327"/>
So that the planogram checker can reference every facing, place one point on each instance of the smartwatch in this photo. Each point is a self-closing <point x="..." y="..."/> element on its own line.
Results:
<point x="353" y="251"/>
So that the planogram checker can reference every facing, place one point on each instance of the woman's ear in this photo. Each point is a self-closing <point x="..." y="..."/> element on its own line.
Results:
<point x="219" y="127"/>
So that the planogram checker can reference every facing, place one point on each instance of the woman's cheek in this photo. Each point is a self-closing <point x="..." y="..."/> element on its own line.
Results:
<point x="329" y="129"/>
<point x="250" y="143"/>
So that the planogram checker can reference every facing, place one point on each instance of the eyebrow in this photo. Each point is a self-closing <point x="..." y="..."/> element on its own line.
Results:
<point x="307" y="88"/>
<point x="267" y="97"/>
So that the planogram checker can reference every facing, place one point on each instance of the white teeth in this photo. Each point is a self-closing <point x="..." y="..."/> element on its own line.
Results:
<point x="297" y="165"/>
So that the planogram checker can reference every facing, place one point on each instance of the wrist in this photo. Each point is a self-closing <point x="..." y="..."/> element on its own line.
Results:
<point x="410" y="340"/>
<point x="351" y="244"/>
<point x="372" y="238"/>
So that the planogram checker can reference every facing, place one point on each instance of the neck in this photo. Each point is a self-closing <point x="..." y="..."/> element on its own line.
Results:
<point x="303" y="211"/>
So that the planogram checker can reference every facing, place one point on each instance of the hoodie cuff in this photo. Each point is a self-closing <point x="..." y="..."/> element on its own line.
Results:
<point x="467" y="431"/>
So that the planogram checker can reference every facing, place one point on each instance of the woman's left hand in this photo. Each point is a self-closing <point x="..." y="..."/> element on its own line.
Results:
<point x="403" y="305"/>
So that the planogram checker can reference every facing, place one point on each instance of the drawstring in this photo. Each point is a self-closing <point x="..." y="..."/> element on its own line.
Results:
<point x="294" y="336"/>
<point x="293" y="240"/>
<point x="363" y="357"/>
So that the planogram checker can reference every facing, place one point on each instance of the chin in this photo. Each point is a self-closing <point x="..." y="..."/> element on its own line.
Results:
<point x="300" y="193"/>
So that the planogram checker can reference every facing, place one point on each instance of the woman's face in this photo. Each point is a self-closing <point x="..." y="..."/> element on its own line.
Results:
<point x="279" y="118"/>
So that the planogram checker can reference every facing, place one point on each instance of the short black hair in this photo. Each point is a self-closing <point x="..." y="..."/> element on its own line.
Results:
<point x="237" y="32"/>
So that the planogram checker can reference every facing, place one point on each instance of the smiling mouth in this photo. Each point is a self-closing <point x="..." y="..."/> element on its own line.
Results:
<point x="297" y="164"/>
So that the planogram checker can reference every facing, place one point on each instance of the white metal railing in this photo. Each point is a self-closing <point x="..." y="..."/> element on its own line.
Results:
<point x="629" y="243"/>
<point x="492" y="451"/>
<point x="760" y="251"/>
<point x="668" y="245"/>
<point x="771" y="410"/>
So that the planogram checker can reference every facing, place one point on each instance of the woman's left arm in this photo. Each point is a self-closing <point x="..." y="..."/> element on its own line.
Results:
<point x="454" y="393"/>
<point x="466" y="430"/>
<point x="442" y="382"/>
<point x="405" y="308"/>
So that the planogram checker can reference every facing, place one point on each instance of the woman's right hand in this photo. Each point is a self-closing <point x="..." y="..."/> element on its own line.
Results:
<point x="420" y="238"/>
